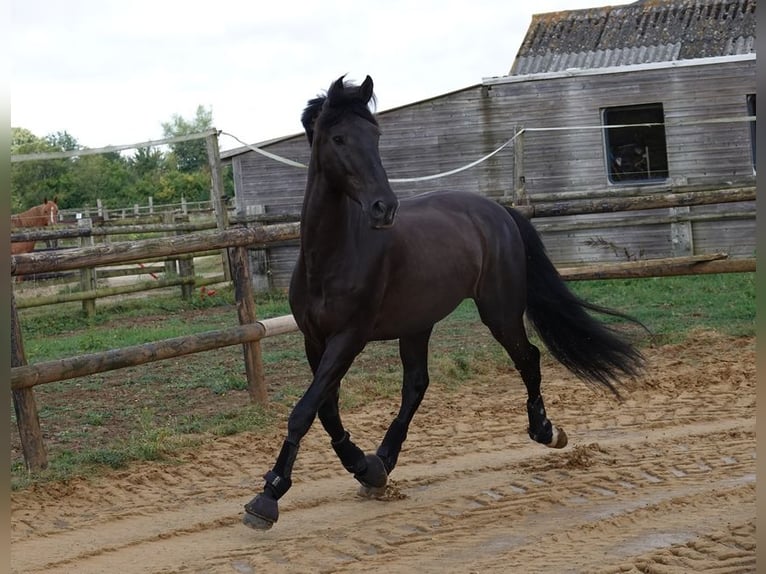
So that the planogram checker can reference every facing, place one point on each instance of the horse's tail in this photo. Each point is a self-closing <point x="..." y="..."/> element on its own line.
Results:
<point x="585" y="346"/>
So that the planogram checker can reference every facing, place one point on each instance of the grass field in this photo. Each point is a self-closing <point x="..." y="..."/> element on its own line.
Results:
<point x="149" y="412"/>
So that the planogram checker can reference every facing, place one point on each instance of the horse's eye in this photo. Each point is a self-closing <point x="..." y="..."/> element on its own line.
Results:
<point x="338" y="140"/>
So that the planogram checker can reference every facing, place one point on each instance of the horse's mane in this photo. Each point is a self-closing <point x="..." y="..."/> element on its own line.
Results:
<point x="340" y="98"/>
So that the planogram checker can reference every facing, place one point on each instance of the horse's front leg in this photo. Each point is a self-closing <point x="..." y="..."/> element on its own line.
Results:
<point x="413" y="351"/>
<point x="263" y="510"/>
<point x="368" y="469"/>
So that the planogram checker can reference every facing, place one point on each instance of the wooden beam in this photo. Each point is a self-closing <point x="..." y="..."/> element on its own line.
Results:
<point x="108" y="149"/>
<point x="243" y="294"/>
<point x="72" y="232"/>
<point x="27" y="376"/>
<point x="42" y="300"/>
<point x="692" y="265"/>
<point x="633" y="203"/>
<point x="25" y="404"/>
<point x="216" y="194"/>
<point x="126" y="251"/>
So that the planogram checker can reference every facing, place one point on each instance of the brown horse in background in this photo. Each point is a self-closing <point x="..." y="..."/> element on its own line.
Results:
<point x="38" y="216"/>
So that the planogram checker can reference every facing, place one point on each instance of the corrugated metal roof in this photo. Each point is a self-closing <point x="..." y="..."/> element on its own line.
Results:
<point x="641" y="32"/>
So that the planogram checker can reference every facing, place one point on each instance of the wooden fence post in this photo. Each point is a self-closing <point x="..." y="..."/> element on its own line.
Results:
<point x="243" y="292"/>
<point x="259" y="258"/>
<point x="681" y="232"/>
<point x="101" y="210"/>
<point x="87" y="274"/>
<point x="185" y="265"/>
<point x="25" y="405"/>
<point x="171" y="265"/>
<point x="520" y="196"/>
<point x="216" y="194"/>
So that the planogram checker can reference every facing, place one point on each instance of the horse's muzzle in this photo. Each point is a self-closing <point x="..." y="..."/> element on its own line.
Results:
<point x="382" y="214"/>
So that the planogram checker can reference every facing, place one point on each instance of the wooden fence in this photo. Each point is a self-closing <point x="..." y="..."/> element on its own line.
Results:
<point x="178" y="271"/>
<point x="175" y="271"/>
<point x="250" y="331"/>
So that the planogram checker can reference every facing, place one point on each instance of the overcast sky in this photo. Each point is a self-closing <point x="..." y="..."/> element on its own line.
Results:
<point x="110" y="72"/>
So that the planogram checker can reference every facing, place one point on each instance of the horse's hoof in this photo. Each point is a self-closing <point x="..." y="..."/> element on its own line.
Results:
<point x="372" y="492"/>
<point x="559" y="439"/>
<point x="375" y="475"/>
<point x="256" y="522"/>
<point x="261" y="512"/>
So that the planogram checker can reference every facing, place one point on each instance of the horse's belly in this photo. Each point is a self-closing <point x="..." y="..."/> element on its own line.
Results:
<point x="418" y="310"/>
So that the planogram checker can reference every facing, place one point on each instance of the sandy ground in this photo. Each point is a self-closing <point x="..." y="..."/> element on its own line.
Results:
<point x="662" y="482"/>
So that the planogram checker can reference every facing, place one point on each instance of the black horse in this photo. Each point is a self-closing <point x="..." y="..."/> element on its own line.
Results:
<point x="372" y="268"/>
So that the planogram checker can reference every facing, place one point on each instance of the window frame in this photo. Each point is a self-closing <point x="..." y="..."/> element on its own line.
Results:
<point x="751" y="111"/>
<point x="642" y="132"/>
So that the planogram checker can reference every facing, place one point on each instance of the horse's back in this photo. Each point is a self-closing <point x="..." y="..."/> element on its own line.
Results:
<point x="453" y="222"/>
<point x="443" y="247"/>
<point x="451" y="200"/>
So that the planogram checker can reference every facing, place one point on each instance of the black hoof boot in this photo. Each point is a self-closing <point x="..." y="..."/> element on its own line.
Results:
<point x="541" y="429"/>
<point x="374" y="477"/>
<point x="261" y="512"/>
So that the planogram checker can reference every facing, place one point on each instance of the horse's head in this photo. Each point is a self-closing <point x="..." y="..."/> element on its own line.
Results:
<point x="50" y="211"/>
<point x="344" y="135"/>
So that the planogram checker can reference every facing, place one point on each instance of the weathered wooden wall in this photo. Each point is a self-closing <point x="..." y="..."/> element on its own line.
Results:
<point x="449" y="131"/>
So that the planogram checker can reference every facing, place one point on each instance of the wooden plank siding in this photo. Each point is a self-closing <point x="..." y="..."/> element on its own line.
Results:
<point x="449" y="131"/>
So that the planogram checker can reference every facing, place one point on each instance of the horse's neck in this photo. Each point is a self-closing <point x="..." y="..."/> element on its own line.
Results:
<point x="329" y="221"/>
<point x="29" y="218"/>
<point x="34" y="217"/>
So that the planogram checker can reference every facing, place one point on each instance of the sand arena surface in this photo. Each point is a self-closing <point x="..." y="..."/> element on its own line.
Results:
<point x="663" y="482"/>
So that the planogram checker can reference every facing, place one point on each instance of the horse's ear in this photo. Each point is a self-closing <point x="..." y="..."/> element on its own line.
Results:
<point x="336" y="89"/>
<point x="365" y="90"/>
<point x="45" y="200"/>
<point x="55" y="199"/>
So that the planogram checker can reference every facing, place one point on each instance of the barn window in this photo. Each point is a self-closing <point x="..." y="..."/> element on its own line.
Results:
<point x="751" y="112"/>
<point x="635" y="146"/>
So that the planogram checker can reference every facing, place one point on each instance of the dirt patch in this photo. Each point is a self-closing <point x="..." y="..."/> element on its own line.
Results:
<point x="662" y="481"/>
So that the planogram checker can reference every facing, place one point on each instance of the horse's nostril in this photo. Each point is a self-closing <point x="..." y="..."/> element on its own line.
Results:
<point x="379" y="208"/>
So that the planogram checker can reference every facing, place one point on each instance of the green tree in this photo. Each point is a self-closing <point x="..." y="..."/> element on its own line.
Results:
<point x="33" y="181"/>
<point x="147" y="160"/>
<point x="189" y="156"/>
<point x="104" y="176"/>
<point x="24" y="141"/>
<point x="148" y="166"/>
<point x="174" y="184"/>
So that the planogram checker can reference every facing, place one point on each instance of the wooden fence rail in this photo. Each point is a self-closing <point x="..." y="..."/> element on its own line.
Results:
<point x="27" y="376"/>
<point x="635" y="203"/>
<point x="128" y="251"/>
<point x="43" y="300"/>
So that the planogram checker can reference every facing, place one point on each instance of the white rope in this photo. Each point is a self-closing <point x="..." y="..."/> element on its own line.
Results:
<point x="457" y="170"/>
<point x="268" y="154"/>
<point x="290" y="162"/>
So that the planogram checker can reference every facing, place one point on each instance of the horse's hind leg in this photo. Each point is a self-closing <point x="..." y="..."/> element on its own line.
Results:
<point x="413" y="351"/>
<point x="511" y="334"/>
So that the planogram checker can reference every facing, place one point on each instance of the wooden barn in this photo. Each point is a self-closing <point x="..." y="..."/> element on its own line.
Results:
<point x="644" y="99"/>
